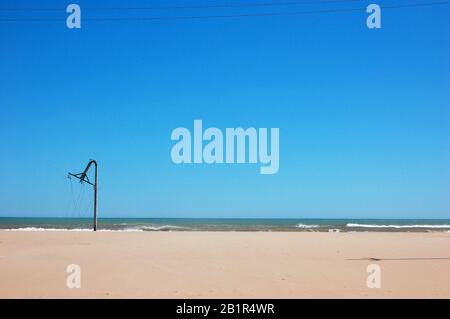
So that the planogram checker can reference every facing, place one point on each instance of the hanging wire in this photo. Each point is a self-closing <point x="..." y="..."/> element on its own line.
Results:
<point x="78" y="203"/>
<point x="70" y="200"/>
<point x="189" y="6"/>
<point x="88" y="208"/>
<point x="225" y="16"/>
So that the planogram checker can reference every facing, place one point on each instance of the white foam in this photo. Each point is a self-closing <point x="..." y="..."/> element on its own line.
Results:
<point x="160" y="228"/>
<point x="130" y="229"/>
<point x="307" y="226"/>
<point x="396" y="226"/>
<point x="70" y="229"/>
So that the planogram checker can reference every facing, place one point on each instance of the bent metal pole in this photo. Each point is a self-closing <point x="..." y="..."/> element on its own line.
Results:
<point x="83" y="177"/>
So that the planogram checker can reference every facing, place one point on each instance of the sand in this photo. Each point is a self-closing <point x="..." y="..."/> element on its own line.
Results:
<point x="224" y="264"/>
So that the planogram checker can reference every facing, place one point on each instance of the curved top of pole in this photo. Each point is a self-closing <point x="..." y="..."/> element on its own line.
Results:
<point x="83" y="176"/>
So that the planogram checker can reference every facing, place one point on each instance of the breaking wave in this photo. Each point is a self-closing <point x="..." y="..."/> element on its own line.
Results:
<point x="395" y="226"/>
<point x="69" y="229"/>
<point x="163" y="228"/>
<point x="306" y="226"/>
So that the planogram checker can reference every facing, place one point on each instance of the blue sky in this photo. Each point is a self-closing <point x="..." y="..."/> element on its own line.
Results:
<point x="364" y="115"/>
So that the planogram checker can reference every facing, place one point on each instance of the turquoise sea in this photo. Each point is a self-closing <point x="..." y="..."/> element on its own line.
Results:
<point x="224" y="224"/>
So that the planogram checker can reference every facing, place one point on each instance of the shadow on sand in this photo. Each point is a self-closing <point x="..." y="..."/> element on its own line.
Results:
<point x="401" y="259"/>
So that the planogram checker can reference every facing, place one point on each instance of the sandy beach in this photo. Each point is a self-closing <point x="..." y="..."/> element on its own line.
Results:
<point x="224" y="264"/>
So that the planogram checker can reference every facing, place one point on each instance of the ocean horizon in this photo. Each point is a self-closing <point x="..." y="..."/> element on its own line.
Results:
<point x="222" y="224"/>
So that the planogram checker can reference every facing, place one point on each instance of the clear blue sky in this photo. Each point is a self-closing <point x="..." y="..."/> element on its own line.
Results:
<point x="364" y="115"/>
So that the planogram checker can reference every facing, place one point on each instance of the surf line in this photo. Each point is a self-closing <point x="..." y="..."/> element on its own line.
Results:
<point x="237" y="141"/>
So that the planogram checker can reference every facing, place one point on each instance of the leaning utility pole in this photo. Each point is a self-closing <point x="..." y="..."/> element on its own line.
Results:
<point x="84" y="178"/>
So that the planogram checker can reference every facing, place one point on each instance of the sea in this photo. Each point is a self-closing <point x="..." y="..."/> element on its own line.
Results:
<point x="225" y="224"/>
